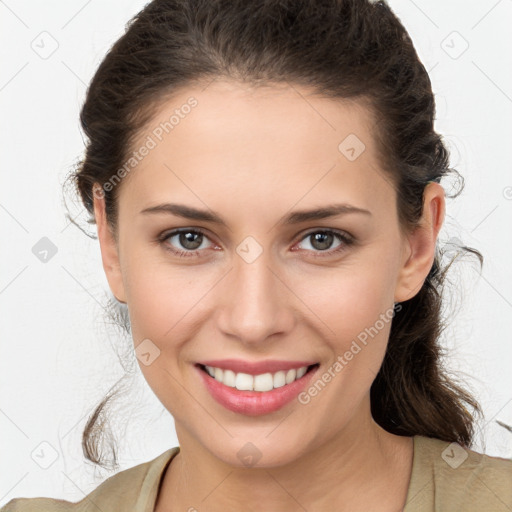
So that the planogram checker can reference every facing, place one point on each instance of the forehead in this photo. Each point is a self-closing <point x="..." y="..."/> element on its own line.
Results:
<point x="257" y="143"/>
<point x="262" y="118"/>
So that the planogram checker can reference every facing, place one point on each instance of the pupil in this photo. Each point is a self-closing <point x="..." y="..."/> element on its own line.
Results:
<point x="322" y="237"/>
<point x="187" y="239"/>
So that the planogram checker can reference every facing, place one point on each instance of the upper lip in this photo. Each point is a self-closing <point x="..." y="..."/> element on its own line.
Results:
<point x="257" y="367"/>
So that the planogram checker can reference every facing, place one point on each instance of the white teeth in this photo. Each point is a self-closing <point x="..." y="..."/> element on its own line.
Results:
<point x="229" y="378"/>
<point x="279" y="379"/>
<point x="262" y="382"/>
<point x="243" y="381"/>
<point x="301" y="372"/>
<point x="218" y="374"/>
<point x="290" y="376"/>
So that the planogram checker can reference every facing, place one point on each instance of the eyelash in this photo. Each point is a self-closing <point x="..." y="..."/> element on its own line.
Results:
<point x="346" y="239"/>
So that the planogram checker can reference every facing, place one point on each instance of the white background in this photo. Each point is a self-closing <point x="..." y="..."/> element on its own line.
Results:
<point x="57" y="360"/>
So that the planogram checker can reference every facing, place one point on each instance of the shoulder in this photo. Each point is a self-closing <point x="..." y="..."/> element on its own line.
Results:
<point x="131" y="488"/>
<point x="448" y="476"/>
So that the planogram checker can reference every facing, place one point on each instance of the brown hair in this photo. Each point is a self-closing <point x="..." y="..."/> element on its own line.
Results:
<point x="346" y="49"/>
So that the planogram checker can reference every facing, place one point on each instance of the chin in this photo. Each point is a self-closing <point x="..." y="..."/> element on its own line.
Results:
<point x="242" y="452"/>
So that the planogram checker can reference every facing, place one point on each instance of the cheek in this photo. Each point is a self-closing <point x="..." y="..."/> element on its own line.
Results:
<point x="347" y="300"/>
<point x="166" y="303"/>
<point x="164" y="306"/>
<point x="354" y="309"/>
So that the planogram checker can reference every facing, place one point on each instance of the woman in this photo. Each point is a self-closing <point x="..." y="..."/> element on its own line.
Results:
<point x="265" y="180"/>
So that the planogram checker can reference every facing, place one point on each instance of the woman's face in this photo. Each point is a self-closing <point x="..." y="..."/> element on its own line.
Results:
<point x="253" y="277"/>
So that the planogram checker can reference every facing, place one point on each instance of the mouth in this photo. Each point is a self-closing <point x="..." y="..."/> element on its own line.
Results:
<point x="257" y="393"/>
<point x="259" y="382"/>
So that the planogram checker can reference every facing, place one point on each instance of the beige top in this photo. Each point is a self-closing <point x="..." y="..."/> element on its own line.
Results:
<point x="445" y="477"/>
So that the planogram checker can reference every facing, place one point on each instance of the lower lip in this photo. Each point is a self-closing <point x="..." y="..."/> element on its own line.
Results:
<point x="254" y="403"/>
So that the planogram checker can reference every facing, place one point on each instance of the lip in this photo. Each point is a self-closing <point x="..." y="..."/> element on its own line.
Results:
<point x="257" y="367"/>
<point x="255" y="403"/>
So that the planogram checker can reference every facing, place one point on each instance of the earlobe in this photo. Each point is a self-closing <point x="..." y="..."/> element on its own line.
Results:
<point x="419" y="259"/>
<point x="108" y="247"/>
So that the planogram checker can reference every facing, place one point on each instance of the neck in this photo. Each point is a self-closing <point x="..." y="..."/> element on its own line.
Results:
<point x="362" y="468"/>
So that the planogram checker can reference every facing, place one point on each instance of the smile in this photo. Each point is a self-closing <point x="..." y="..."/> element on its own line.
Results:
<point x="259" y="392"/>
<point x="262" y="382"/>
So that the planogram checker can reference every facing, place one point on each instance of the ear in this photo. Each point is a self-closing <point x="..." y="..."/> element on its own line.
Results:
<point x="421" y="244"/>
<point x="108" y="246"/>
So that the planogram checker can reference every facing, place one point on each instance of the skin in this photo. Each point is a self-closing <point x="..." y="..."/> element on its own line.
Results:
<point x="253" y="155"/>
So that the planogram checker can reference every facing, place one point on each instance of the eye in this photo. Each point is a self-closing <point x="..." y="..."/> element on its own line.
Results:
<point x="322" y="240"/>
<point x="189" y="239"/>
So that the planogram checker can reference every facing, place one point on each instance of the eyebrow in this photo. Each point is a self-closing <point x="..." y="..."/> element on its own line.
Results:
<point x="188" y="212"/>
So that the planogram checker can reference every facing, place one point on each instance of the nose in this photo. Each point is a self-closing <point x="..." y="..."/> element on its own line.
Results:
<point x="254" y="302"/>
